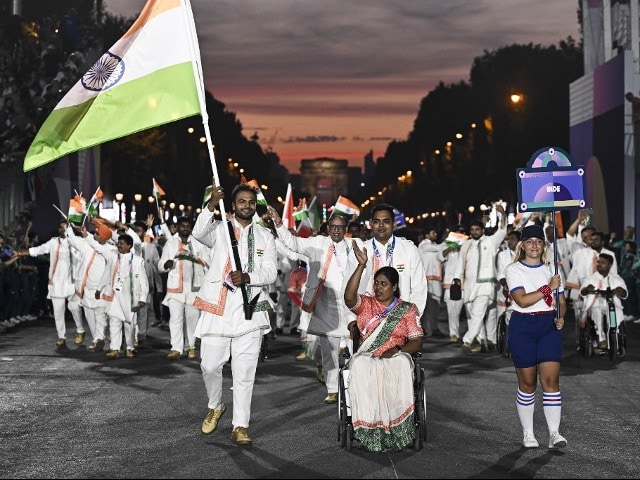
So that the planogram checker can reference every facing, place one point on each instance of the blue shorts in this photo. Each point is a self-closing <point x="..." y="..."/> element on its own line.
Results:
<point x="534" y="339"/>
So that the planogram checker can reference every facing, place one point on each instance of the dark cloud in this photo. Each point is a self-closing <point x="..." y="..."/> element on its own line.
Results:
<point x="314" y="139"/>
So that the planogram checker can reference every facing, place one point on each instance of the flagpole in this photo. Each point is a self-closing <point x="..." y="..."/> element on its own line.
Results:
<point x="199" y="78"/>
<point x="61" y="212"/>
<point x="90" y="202"/>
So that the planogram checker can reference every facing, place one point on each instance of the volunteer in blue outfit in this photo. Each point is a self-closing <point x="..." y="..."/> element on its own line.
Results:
<point x="535" y="333"/>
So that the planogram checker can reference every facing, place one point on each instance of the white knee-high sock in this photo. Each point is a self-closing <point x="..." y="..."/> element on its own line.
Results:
<point x="552" y="406"/>
<point x="525" y="402"/>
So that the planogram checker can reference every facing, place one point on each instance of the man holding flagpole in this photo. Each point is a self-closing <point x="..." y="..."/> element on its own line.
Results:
<point x="234" y="308"/>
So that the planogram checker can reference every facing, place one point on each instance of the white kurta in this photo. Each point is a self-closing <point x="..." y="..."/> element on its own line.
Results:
<point x="432" y="266"/>
<point x="61" y="266"/>
<point x="185" y="276"/>
<point x="323" y="299"/>
<point x="92" y="264"/>
<point x="405" y="258"/>
<point x="476" y="268"/>
<point x="222" y="309"/>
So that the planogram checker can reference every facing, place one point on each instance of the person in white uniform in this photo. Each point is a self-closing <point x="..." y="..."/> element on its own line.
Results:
<point x="323" y="297"/>
<point x="476" y="275"/>
<point x="185" y="259"/>
<point x="61" y="292"/>
<point x="386" y="249"/>
<point x="92" y="265"/>
<point x="595" y="304"/>
<point x="226" y="328"/>
<point x="124" y="288"/>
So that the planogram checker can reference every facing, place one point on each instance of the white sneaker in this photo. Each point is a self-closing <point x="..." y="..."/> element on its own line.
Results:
<point x="529" y="441"/>
<point x="557" y="441"/>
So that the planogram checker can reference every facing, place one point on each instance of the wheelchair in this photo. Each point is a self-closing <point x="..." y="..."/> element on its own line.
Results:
<point x="502" y="334"/>
<point x="616" y="333"/>
<point x="345" y="425"/>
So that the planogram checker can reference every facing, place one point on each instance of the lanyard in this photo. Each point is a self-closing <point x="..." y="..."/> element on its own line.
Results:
<point x="389" y="256"/>
<point x="336" y="256"/>
<point x="118" y="266"/>
<point x="379" y="315"/>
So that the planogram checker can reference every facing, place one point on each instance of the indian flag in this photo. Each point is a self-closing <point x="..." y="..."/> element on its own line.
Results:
<point x="146" y="79"/>
<point x="75" y="211"/>
<point x="287" y="211"/>
<point x="455" y="240"/>
<point x="301" y="212"/>
<point x="314" y="215"/>
<point x="207" y="195"/>
<point x="157" y="190"/>
<point x="346" y="206"/>
<point x="260" y="198"/>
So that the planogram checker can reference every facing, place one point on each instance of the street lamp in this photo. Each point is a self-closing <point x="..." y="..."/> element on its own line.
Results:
<point x="136" y="200"/>
<point x="119" y="197"/>
<point x="151" y="199"/>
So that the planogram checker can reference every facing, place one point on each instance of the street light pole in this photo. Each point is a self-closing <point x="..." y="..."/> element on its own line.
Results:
<point x="119" y="197"/>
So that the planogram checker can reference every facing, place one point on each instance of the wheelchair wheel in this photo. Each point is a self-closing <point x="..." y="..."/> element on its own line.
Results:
<point x="586" y="341"/>
<point x="420" y="403"/>
<point x="501" y="344"/>
<point x="622" y="340"/>
<point x="613" y="344"/>
<point x="348" y="436"/>
<point x="582" y="341"/>
<point x="342" y="412"/>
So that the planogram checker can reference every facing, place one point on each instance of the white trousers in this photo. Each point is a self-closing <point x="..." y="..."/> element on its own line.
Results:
<point x="115" y="328"/>
<point x="97" y="321"/>
<point x="481" y="306"/>
<point x="60" y="306"/>
<point x="245" y="352"/>
<point x="144" y="318"/>
<point x="179" y="312"/>
<point x="454" y="309"/>
<point x="282" y="307"/>
<point x="329" y="350"/>
<point x="600" y="317"/>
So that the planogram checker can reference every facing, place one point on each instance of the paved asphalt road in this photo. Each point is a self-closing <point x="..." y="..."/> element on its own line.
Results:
<point x="70" y="413"/>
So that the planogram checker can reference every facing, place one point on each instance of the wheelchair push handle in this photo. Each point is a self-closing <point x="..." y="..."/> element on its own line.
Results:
<point x="608" y="294"/>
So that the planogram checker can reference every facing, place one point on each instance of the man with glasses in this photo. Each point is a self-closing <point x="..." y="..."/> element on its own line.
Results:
<point x="323" y="297"/>
<point x="385" y="249"/>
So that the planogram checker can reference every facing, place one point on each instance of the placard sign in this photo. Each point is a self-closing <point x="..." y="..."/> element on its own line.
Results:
<point x="550" y="182"/>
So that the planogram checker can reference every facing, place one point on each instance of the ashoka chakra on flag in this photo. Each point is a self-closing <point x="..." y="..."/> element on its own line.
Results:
<point x="104" y="74"/>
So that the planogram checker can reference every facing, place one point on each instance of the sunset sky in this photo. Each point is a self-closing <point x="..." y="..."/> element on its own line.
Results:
<point x="339" y="78"/>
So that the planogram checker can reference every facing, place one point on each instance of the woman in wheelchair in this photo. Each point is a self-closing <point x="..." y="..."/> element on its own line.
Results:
<point x="595" y="303"/>
<point x="381" y="372"/>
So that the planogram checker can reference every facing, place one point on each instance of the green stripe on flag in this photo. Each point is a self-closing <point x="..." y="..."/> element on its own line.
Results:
<point x="164" y="96"/>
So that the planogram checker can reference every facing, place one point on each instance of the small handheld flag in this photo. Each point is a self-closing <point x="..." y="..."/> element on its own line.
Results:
<point x="157" y="190"/>
<point x="346" y="206"/>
